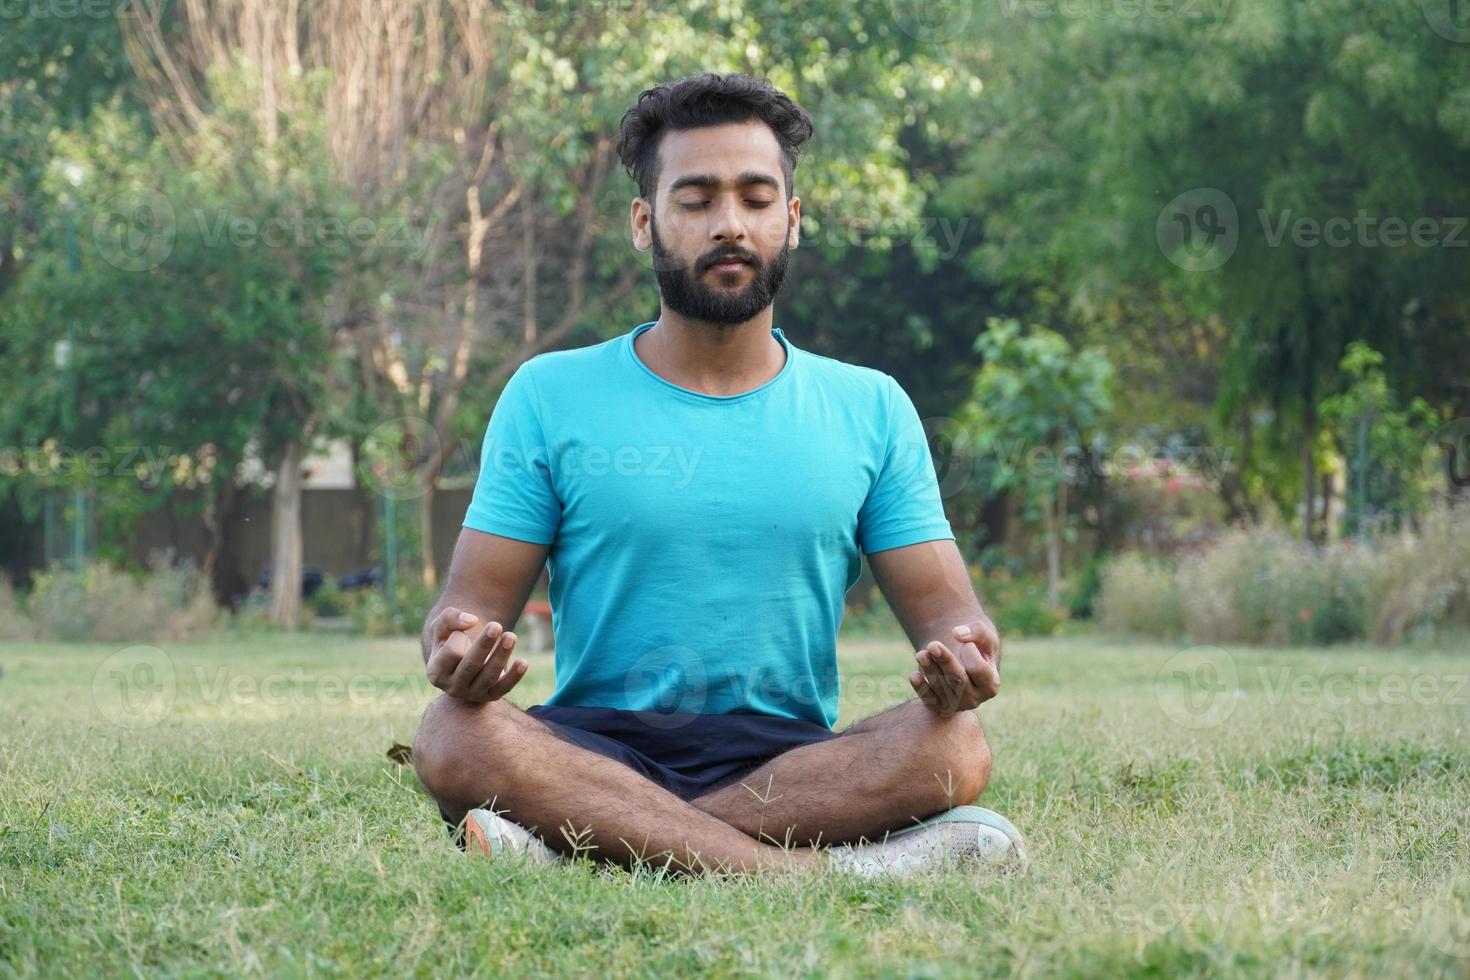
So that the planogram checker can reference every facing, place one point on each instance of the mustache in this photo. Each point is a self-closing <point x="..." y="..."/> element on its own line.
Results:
<point x="749" y="258"/>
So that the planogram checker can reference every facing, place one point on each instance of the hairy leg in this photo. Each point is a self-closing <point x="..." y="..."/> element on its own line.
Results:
<point x="472" y="755"/>
<point x="881" y="774"/>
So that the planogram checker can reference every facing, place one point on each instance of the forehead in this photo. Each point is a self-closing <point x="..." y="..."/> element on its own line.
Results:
<point x="724" y="152"/>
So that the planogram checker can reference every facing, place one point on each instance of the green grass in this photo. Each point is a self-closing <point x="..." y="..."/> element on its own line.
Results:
<point x="1318" y="826"/>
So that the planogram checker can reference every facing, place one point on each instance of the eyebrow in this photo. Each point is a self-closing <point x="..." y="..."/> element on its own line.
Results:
<point x="709" y="180"/>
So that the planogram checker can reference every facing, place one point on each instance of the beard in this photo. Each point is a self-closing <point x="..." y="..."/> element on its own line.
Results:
<point x="685" y="293"/>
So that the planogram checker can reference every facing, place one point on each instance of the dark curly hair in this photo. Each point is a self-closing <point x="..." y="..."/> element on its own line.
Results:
<point x="708" y="99"/>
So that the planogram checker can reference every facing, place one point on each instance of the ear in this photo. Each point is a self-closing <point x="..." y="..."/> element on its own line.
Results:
<point x="640" y="216"/>
<point x="793" y="212"/>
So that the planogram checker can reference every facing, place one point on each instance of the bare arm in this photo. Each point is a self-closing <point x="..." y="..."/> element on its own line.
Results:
<point x="957" y="648"/>
<point x="465" y="643"/>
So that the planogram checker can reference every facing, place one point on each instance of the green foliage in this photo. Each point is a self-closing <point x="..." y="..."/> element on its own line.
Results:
<point x="1139" y="596"/>
<point x="105" y="604"/>
<point x="1383" y="442"/>
<point x="1017" y="604"/>
<point x="1089" y="150"/>
<point x="1261" y="586"/>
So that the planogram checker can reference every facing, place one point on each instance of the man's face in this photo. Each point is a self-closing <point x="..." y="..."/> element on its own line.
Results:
<point x="722" y="227"/>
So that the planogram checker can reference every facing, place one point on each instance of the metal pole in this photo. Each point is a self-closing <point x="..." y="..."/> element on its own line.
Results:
<point x="390" y="554"/>
<point x="78" y="503"/>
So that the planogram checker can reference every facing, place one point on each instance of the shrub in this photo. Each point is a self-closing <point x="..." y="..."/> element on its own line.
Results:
<point x="109" y="605"/>
<point x="1420" y="586"/>
<point x="1017" y="604"/>
<point x="1139" y="596"/>
<point x="1261" y="586"/>
<point x="14" y="623"/>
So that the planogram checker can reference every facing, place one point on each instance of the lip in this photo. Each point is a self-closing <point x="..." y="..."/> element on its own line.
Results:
<point x="729" y="265"/>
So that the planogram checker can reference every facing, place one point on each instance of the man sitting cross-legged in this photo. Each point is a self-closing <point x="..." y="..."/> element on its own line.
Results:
<point x="703" y="490"/>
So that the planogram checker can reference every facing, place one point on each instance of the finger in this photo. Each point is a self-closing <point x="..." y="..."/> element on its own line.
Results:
<point x="950" y="666"/>
<point x="451" y="619"/>
<point x="935" y="677"/>
<point x="494" y="667"/>
<point x="983" y="634"/>
<point x="973" y="663"/>
<point x="445" y="659"/>
<point x="922" y="689"/>
<point x="508" y="680"/>
<point x="482" y="646"/>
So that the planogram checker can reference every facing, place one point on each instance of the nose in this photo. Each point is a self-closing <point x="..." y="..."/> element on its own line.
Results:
<point x="725" y="225"/>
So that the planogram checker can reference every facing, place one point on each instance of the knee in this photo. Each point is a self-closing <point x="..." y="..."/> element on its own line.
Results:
<point x="956" y="760"/>
<point x="452" y="733"/>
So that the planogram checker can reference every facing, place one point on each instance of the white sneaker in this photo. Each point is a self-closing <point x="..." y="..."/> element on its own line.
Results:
<point x="964" y="835"/>
<point x="491" y="834"/>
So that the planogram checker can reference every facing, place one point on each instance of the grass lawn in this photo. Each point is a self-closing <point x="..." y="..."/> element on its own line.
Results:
<point x="229" y="808"/>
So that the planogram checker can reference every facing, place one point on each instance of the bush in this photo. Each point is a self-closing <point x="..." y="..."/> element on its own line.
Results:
<point x="1262" y="586"/>
<point x="14" y="623"/>
<point x="1420" y="588"/>
<point x="370" y="615"/>
<point x="1139" y="596"/>
<point x="1017" y="604"/>
<point x="109" y="605"/>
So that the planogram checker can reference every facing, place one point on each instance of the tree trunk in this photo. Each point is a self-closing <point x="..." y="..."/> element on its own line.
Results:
<point x="286" y="539"/>
<point x="426" y="536"/>
<point x="1049" y="511"/>
<point x="1309" y="472"/>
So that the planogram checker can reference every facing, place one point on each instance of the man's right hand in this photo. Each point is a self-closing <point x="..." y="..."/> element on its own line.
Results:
<point x="468" y="659"/>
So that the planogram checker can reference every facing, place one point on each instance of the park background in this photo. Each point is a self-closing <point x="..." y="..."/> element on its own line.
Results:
<point x="1156" y="276"/>
<point x="1179" y="288"/>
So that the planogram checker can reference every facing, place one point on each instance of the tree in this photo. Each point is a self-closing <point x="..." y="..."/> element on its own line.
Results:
<point x="1265" y="169"/>
<point x="1034" y="415"/>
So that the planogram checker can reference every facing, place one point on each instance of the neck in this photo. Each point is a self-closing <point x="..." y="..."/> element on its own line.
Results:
<point x="716" y="359"/>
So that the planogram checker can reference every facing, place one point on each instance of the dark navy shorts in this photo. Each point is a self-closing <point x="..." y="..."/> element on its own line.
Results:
<point x="687" y="754"/>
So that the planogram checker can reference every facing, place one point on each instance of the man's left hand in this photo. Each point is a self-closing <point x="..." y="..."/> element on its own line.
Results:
<point x="961" y="675"/>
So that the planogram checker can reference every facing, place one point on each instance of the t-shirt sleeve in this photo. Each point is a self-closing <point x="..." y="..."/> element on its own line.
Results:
<point x="514" y="495"/>
<point x="904" y="506"/>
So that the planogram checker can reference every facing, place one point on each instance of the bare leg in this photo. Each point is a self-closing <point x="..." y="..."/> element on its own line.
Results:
<point x="470" y="755"/>
<point x="880" y="774"/>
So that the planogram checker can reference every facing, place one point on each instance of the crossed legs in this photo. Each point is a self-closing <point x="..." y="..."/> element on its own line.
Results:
<point x="903" y="764"/>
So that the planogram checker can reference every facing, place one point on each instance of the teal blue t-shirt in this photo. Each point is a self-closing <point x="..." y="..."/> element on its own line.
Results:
<point x="701" y="545"/>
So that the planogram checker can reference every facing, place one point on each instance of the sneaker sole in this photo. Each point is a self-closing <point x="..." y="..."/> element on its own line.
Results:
<point x="980" y="815"/>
